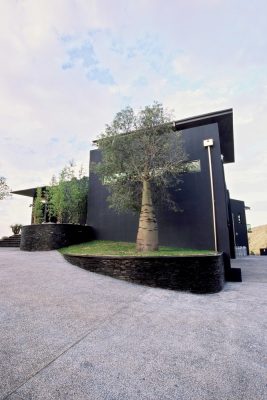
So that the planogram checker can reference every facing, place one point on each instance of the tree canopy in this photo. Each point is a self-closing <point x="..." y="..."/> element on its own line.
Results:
<point x="64" y="200"/>
<point x="66" y="197"/>
<point x="142" y="156"/>
<point x="38" y="207"/>
<point x="4" y="188"/>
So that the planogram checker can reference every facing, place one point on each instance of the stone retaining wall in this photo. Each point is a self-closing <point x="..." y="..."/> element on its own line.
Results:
<point x="53" y="236"/>
<point x="197" y="274"/>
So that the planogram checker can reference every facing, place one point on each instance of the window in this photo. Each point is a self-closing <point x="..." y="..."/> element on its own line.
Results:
<point x="249" y="228"/>
<point x="193" y="166"/>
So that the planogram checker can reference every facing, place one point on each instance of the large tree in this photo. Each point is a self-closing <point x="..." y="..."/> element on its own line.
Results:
<point x="142" y="157"/>
<point x="4" y="189"/>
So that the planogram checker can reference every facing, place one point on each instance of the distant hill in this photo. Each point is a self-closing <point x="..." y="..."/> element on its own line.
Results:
<point x="257" y="238"/>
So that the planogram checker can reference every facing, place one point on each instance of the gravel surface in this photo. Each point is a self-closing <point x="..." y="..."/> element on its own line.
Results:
<point x="66" y="333"/>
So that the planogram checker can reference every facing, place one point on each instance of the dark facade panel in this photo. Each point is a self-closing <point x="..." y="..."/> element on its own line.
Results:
<point x="224" y="119"/>
<point x="191" y="228"/>
<point x="239" y="223"/>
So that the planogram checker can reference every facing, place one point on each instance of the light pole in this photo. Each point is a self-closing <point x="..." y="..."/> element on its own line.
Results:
<point x="208" y="143"/>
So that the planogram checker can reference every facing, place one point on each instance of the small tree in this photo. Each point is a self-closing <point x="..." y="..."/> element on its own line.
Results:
<point x="16" y="228"/>
<point x="67" y="195"/>
<point x="37" y="211"/>
<point x="55" y="196"/>
<point x="4" y="188"/>
<point x="142" y="156"/>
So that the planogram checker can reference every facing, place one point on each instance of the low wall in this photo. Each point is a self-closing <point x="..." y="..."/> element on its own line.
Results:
<point x="197" y="274"/>
<point x="53" y="236"/>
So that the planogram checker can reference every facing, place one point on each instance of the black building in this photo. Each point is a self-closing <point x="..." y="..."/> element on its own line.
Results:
<point x="203" y="223"/>
<point x="239" y="224"/>
<point x="199" y="226"/>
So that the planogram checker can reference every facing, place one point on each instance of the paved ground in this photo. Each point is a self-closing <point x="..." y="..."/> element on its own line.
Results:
<point x="66" y="333"/>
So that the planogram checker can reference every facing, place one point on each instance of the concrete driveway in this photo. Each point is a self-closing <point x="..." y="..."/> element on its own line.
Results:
<point x="67" y="333"/>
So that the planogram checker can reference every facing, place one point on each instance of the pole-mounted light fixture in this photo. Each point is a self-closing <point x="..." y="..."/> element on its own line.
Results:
<point x="208" y="143"/>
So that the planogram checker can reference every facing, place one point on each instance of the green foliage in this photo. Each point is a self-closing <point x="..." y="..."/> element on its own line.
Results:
<point x="108" y="247"/>
<point x="37" y="211"/>
<point x="138" y="147"/>
<point x="67" y="195"/>
<point x="4" y="188"/>
<point x="16" y="228"/>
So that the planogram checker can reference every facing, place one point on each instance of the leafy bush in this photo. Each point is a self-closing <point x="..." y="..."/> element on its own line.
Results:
<point x="4" y="188"/>
<point x="38" y="213"/>
<point x="67" y="196"/>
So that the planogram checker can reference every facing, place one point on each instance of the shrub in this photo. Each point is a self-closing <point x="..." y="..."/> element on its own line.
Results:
<point x="16" y="228"/>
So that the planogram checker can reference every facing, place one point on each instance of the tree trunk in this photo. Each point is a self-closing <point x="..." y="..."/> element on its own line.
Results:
<point x="147" y="236"/>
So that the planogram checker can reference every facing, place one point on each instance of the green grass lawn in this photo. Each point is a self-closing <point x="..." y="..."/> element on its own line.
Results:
<point x="110" y="248"/>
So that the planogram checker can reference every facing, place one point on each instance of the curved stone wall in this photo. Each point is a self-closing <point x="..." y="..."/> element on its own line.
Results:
<point x="197" y="274"/>
<point x="53" y="236"/>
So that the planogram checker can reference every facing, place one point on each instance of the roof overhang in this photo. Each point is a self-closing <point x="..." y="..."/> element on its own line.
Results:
<point x="224" y="119"/>
<point x="27" y="192"/>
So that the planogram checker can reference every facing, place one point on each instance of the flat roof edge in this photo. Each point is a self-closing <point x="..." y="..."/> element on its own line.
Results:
<point x="201" y="117"/>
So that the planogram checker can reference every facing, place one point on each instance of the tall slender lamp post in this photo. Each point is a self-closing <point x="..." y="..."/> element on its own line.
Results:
<point x="208" y="143"/>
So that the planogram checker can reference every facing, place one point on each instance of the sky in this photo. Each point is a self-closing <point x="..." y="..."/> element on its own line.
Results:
<point x="68" y="66"/>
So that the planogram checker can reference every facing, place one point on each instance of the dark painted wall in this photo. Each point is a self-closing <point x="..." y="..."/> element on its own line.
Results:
<point x="239" y="223"/>
<point x="193" y="227"/>
<point x="231" y="227"/>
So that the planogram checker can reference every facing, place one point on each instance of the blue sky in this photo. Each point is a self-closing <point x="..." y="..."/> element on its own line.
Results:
<point x="68" y="66"/>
